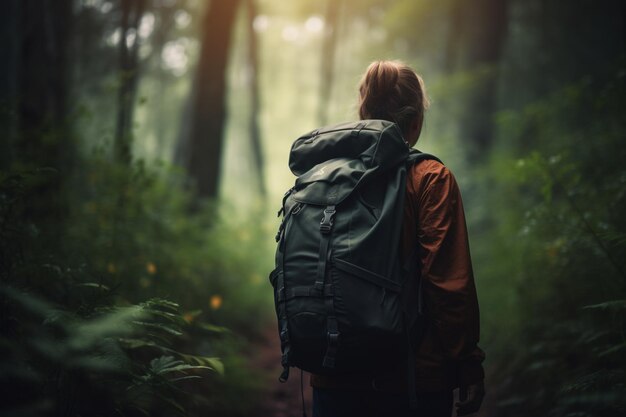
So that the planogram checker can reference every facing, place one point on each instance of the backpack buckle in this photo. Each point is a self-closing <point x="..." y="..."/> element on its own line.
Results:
<point x="328" y="220"/>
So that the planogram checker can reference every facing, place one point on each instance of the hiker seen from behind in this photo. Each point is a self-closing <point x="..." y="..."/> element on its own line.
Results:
<point x="373" y="284"/>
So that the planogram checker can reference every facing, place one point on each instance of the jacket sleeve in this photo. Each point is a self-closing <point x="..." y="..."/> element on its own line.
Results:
<point x="446" y="269"/>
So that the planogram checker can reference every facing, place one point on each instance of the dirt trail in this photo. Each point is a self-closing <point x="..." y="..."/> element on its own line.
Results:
<point x="284" y="400"/>
<point x="280" y="400"/>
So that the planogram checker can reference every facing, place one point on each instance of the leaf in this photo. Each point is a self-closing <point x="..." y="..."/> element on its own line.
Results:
<point x="183" y="367"/>
<point x="211" y="362"/>
<point x="130" y="343"/>
<point x="169" y="316"/>
<point x="158" y="365"/>
<point x="107" y="355"/>
<point x="617" y="238"/>
<point x="94" y="285"/>
<point x="116" y="323"/>
<point x="166" y="364"/>
<point x="613" y="349"/>
<point x="213" y="328"/>
<point x="609" y="305"/>
<point x="29" y="302"/>
<point x="159" y="326"/>
<point x="183" y="378"/>
<point x="159" y="302"/>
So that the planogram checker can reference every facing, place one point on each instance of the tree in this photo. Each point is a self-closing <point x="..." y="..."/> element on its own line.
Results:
<point x="331" y="19"/>
<point x="200" y="143"/>
<point x="132" y="11"/>
<point x="164" y="25"/>
<point x="43" y="89"/>
<point x="8" y="79"/>
<point x="476" y="35"/>
<point x="255" y="107"/>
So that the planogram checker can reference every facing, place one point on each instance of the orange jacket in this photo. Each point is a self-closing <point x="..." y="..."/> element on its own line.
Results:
<point x="434" y="225"/>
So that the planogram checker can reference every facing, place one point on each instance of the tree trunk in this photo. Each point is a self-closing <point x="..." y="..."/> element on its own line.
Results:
<point x="42" y="128"/>
<point x="162" y="33"/>
<point x="331" y="20"/>
<point x="201" y="141"/>
<point x="623" y="7"/>
<point x="132" y="11"/>
<point x="483" y="32"/>
<point x="453" y="40"/>
<point x="255" y="108"/>
<point x="9" y="43"/>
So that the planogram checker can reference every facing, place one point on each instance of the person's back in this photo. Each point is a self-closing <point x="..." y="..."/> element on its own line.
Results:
<point x="434" y="233"/>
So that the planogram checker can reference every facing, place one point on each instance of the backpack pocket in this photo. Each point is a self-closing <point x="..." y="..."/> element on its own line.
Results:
<point x="368" y="308"/>
<point x="307" y="332"/>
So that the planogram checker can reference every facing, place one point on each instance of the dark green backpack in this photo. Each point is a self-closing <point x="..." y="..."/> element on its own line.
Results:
<point x="345" y="299"/>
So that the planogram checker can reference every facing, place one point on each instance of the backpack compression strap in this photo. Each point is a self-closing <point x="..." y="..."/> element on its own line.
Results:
<point x="281" y="295"/>
<point x="332" y="328"/>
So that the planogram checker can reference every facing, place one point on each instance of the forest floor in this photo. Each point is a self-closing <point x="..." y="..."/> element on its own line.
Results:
<point x="284" y="399"/>
<point x="279" y="399"/>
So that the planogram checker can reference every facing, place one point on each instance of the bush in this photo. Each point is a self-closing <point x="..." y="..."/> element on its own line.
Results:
<point x="567" y="356"/>
<point x="119" y="304"/>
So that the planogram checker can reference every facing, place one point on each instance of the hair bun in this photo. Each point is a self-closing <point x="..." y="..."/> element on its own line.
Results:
<point x="382" y="79"/>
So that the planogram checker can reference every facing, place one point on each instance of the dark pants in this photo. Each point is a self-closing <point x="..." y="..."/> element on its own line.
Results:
<point x="341" y="403"/>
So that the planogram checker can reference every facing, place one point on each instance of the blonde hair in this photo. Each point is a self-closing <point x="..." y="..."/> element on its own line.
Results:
<point x="391" y="90"/>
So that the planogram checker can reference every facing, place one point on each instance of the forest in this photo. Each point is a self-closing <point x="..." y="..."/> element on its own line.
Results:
<point x="144" y="153"/>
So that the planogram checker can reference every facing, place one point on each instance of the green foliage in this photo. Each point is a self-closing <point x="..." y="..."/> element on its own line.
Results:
<point x="55" y="354"/>
<point x="80" y="340"/>
<point x="135" y="224"/>
<point x="568" y="353"/>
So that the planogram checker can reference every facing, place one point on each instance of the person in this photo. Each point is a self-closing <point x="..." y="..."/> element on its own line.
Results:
<point x="433" y="225"/>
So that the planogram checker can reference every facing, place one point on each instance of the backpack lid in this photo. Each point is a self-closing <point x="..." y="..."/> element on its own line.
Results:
<point x="331" y="162"/>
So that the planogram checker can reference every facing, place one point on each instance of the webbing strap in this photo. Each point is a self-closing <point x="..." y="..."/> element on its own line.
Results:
<point x="332" y="334"/>
<point x="326" y="226"/>
<point x="321" y="264"/>
<point x="284" y="295"/>
<point x="283" y="331"/>
<point x="332" y="328"/>
<point x="282" y="314"/>
<point x="284" y="338"/>
<point x="284" y="360"/>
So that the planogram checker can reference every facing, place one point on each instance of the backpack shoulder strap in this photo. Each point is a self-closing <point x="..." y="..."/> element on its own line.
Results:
<point x="414" y="325"/>
<point x="416" y="156"/>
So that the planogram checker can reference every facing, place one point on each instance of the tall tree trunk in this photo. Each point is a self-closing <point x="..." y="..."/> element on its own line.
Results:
<point x="455" y="34"/>
<point x="201" y="141"/>
<point x="9" y="43"/>
<point x="331" y="19"/>
<point x="132" y="11"/>
<point x="162" y="32"/>
<point x="623" y="7"/>
<point x="483" y="34"/>
<point x="43" y="136"/>
<point x="42" y="131"/>
<point x="255" y="108"/>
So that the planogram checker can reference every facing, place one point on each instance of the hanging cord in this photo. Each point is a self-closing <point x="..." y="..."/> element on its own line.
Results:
<point x="302" y="392"/>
